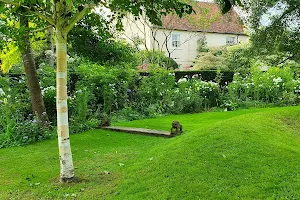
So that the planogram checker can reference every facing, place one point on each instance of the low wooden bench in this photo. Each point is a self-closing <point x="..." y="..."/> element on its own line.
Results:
<point x="139" y="131"/>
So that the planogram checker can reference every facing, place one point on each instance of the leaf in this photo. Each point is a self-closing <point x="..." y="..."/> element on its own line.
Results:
<point x="9" y="56"/>
<point x="68" y="2"/>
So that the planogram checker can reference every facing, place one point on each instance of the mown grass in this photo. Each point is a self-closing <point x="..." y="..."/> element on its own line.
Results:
<point x="246" y="154"/>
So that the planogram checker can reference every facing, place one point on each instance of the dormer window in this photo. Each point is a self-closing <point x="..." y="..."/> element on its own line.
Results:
<point x="175" y="40"/>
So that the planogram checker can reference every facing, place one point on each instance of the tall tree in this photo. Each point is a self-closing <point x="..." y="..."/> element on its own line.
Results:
<point x="37" y="102"/>
<point x="276" y="28"/>
<point x="15" y="26"/>
<point x="63" y="15"/>
<point x="50" y="44"/>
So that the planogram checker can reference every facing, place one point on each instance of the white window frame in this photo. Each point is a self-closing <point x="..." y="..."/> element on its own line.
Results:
<point x="230" y="40"/>
<point x="175" y="40"/>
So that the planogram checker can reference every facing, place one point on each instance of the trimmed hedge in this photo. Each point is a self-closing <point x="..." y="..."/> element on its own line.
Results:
<point x="205" y="75"/>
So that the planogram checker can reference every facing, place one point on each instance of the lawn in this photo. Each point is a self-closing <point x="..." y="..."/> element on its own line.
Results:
<point x="247" y="154"/>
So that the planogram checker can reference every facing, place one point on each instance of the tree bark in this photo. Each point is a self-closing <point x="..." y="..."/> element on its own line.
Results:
<point x="51" y="58"/>
<point x="65" y="154"/>
<point x="37" y="102"/>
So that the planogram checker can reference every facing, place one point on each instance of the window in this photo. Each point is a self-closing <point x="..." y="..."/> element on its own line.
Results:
<point x="230" y="40"/>
<point x="175" y="40"/>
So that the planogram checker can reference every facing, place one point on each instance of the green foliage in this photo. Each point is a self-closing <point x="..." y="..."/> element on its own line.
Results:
<point x="275" y="33"/>
<point x="157" y="58"/>
<point x="196" y="95"/>
<point x="92" y="39"/>
<point x="239" y="57"/>
<point x="77" y="127"/>
<point x="276" y="86"/>
<point x="214" y="58"/>
<point x="185" y="100"/>
<point x="9" y="56"/>
<point x="226" y="5"/>
<point x="82" y="98"/>
<point x="202" y="45"/>
<point x="49" y="97"/>
<point x="109" y="85"/>
<point x="155" y="87"/>
<point x="17" y="126"/>
<point x="26" y="132"/>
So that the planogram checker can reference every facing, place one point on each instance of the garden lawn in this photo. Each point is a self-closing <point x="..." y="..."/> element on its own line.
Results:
<point x="247" y="154"/>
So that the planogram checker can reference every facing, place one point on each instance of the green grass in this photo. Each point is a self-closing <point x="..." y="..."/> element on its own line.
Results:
<point x="246" y="154"/>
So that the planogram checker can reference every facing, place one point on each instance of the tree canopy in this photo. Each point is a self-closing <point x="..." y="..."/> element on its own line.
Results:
<point x="276" y="25"/>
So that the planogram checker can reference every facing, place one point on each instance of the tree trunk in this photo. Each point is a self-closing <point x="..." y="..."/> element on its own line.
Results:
<point x="37" y="102"/>
<point x="51" y="58"/>
<point x="65" y="154"/>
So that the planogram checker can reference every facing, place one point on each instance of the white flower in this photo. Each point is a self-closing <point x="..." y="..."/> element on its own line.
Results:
<point x="71" y="60"/>
<point x="2" y="93"/>
<point x="277" y="80"/>
<point x="182" y="80"/>
<point x="47" y="89"/>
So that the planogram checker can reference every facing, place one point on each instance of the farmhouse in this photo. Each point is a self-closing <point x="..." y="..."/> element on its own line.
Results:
<point x="179" y="38"/>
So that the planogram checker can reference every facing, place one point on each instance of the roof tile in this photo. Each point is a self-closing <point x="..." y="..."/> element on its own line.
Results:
<point x="208" y="18"/>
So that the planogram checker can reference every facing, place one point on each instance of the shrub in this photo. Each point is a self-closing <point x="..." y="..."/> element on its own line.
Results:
<point x="29" y="131"/>
<point x="15" y="126"/>
<point x="107" y="87"/>
<point x="211" y="59"/>
<point x="195" y="95"/>
<point x="155" y="87"/>
<point x="79" y="127"/>
<point x="157" y="58"/>
<point x="274" y="86"/>
<point x="49" y="96"/>
<point x="238" y="57"/>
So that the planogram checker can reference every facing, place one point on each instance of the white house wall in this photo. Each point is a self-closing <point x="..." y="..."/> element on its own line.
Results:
<point x="137" y="28"/>
<point x="217" y="39"/>
<point x="183" y="55"/>
<point x="187" y="52"/>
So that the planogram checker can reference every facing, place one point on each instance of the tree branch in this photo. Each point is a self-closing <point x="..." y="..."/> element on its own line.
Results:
<point x="77" y="17"/>
<point x="42" y="29"/>
<point x="44" y="17"/>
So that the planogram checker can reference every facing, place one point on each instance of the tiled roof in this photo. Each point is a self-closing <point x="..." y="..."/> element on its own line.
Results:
<point x="208" y="18"/>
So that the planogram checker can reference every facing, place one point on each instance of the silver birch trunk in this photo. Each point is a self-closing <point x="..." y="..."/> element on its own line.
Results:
<point x="65" y="154"/>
